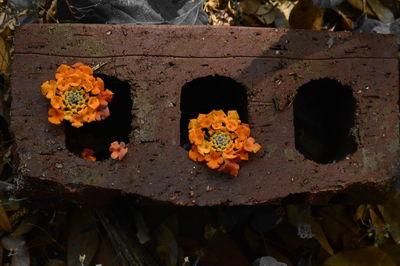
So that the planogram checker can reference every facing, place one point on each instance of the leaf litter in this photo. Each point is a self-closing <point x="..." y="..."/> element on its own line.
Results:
<point x="33" y="232"/>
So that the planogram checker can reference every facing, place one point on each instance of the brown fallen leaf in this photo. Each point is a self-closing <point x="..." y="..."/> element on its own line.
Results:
<point x="267" y="13"/>
<point x="17" y="250"/>
<point x="305" y="15"/>
<point x="357" y="4"/>
<point x="319" y="234"/>
<point x="361" y="212"/>
<point x="167" y="247"/>
<point x="383" y="13"/>
<point x="222" y="250"/>
<point x="25" y="226"/>
<point x="83" y="239"/>
<point x="250" y="7"/>
<point x="301" y="215"/>
<point x="283" y="10"/>
<point x="4" y="221"/>
<point x="339" y="227"/>
<point x="106" y="255"/>
<point x="4" y="56"/>
<point x="393" y="250"/>
<point x="380" y="228"/>
<point x="390" y="213"/>
<point x="369" y="256"/>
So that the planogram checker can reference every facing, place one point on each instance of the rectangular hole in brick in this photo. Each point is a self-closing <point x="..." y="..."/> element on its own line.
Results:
<point x="99" y="135"/>
<point x="202" y="95"/>
<point x="323" y="113"/>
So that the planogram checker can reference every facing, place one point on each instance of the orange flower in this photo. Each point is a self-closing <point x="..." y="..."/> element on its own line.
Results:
<point x="196" y="136"/>
<point x="57" y="102"/>
<point x="119" y="150"/>
<point x="243" y="131"/>
<point x="231" y="124"/>
<point x="204" y="148"/>
<point x="251" y="146"/>
<point x="98" y="86"/>
<point x="230" y="167"/>
<point x="214" y="159"/>
<point x="84" y="68"/>
<point x="87" y="154"/>
<point x="77" y="95"/>
<point x="48" y="88"/>
<point x="221" y="140"/>
<point x="55" y="116"/>
<point x="233" y="114"/>
<point x="93" y="102"/>
<point x="195" y="155"/>
<point x="102" y="112"/>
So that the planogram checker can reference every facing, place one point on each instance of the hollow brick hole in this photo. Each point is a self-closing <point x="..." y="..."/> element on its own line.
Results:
<point x="202" y="95"/>
<point x="99" y="135"/>
<point x="323" y="118"/>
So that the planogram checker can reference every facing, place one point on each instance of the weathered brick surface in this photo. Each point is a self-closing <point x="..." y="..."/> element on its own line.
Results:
<point x="158" y="60"/>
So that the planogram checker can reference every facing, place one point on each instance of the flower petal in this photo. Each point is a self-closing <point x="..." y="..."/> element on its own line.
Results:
<point x="93" y="102"/>
<point x="233" y="114"/>
<point x="57" y="102"/>
<point x="48" y="88"/>
<point x="55" y="116"/>
<point x="230" y="167"/>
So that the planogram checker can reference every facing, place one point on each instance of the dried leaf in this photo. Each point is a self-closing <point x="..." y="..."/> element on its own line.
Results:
<point x="305" y="15"/>
<point x="365" y="24"/>
<point x="4" y="221"/>
<point x="167" y="247"/>
<point x="185" y="12"/>
<point x="250" y="7"/>
<point x="360" y="257"/>
<point x="18" y="250"/>
<point x="222" y="250"/>
<point x="25" y="226"/>
<point x="142" y="230"/>
<point x="339" y="227"/>
<point x="282" y="14"/>
<point x="360" y="213"/>
<point x="83" y="239"/>
<point x="393" y="250"/>
<point x="266" y="13"/>
<point x="298" y="215"/>
<point x="268" y="261"/>
<point x="191" y="13"/>
<point x="327" y="3"/>
<point x="4" y="56"/>
<point x="390" y="213"/>
<point x="209" y="231"/>
<point x="319" y="234"/>
<point x="106" y="255"/>
<point x="363" y="8"/>
<point x="379" y="227"/>
<point x="382" y="12"/>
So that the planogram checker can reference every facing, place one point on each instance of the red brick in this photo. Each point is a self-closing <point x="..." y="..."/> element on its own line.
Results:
<point x="158" y="61"/>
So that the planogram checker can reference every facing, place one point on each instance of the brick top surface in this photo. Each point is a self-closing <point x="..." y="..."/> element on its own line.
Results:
<point x="157" y="61"/>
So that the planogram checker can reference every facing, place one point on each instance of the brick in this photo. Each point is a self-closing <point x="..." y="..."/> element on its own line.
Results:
<point x="272" y="64"/>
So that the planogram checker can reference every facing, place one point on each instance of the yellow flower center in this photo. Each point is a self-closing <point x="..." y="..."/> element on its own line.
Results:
<point x="75" y="99"/>
<point x="220" y="140"/>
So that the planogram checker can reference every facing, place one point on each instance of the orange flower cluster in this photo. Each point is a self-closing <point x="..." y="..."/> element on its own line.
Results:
<point x="87" y="154"/>
<point x="118" y="150"/>
<point x="76" y="95"/>
<point x="221" y="141"/>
